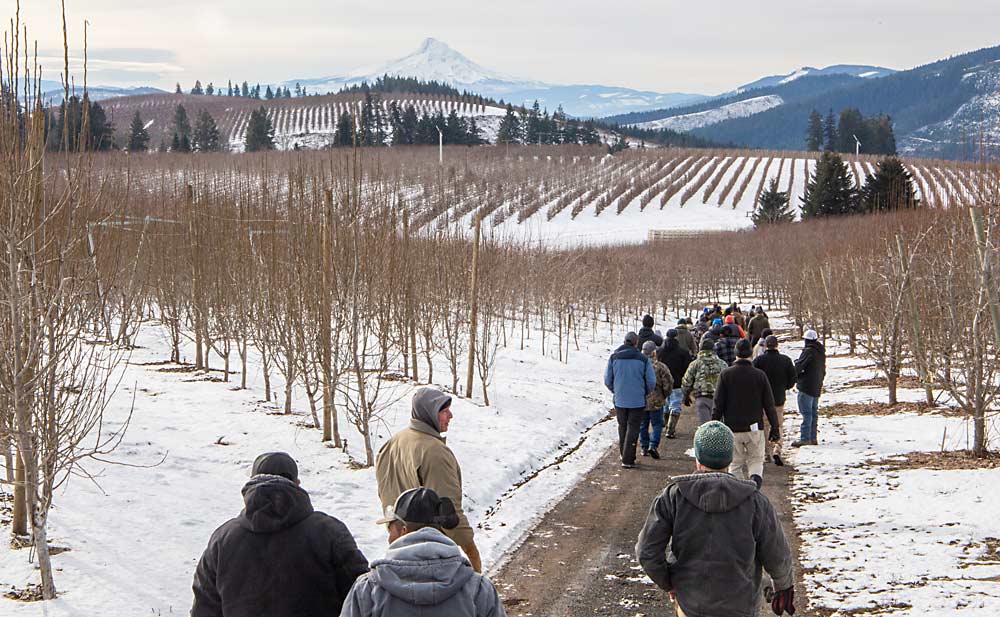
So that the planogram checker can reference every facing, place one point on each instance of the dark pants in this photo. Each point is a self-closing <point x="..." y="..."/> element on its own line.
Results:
<point x="628" y="431"/>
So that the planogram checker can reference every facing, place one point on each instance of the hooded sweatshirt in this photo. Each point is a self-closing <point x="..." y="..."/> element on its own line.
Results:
<point x="423" y="573"/>
<point x="707" y="538"/>
<point x="418" y="457"/>
<point x="279" y="558"/>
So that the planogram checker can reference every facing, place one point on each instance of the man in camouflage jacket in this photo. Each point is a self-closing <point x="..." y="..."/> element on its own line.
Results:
<point x="700" y="381"/>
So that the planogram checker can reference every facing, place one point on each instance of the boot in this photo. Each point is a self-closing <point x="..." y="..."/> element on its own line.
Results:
<point x="672" y="426"/>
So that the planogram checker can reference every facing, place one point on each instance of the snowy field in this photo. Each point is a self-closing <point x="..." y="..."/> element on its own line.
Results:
<point x="880" y="537"/>
<point x="135" y="537"/>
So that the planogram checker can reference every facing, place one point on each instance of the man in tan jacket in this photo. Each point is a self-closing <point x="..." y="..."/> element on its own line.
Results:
<point x="418" y="457"/>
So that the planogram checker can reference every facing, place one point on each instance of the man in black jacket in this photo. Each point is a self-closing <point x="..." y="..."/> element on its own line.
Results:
<point x="781" y="374"/>
<point x="646" y="332"/>
<point x="742" y="398"/>
<point x="279" y="557"/>
<point x="811" y="371"/>
<point x="677" y="358"/>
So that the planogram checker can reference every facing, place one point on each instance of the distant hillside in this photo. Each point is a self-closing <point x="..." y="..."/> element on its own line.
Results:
<point x="939" y="110"/>
<point x="853" y="70"/>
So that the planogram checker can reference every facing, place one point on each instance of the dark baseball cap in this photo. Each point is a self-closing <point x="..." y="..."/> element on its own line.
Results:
<point x="771" y="342"/>
<point x="276" y="464"/>
<point x="422" y="506"/>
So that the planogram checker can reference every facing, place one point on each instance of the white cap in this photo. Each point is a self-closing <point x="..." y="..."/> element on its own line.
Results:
<point x="810" y="335"/>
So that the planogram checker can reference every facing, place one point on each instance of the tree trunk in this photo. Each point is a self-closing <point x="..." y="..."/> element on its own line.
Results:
<point x="19" y="523"/>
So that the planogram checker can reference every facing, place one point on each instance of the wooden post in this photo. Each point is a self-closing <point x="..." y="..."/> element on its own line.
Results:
<point x="473" y="307"/>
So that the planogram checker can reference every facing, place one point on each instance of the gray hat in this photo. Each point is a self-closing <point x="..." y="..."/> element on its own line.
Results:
<point x="632" y="338"/>
<point x="713" y="445"/>
<point x="649" y="348"/>
<point x="276" y="464"/>
<point x="771" y="342"/>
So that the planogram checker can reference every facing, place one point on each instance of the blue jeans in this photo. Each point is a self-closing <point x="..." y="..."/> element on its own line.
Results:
<point x="809" y="410"/>
<point x="675" y="401"/>
<point x="654" y="418"/>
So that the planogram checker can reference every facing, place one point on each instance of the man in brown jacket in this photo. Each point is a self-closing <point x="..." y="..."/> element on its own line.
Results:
<point x="418" y="457"/>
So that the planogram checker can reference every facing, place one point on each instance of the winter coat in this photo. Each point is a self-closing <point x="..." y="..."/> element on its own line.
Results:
<point x="714" y="334"/>
<point x="700" y="329"/>
<point x="810" y="369"/>
<point x="703" y="375"/>
<point x="686" y="339"/>
<point x="756" y="326"/>
<point x="725" y="348"/>
<point x="423" y="573"/>
<point x="418" y="457"/>
<point x="780" y="373"/>
<point x="742" y="398"/>
<point x="647" y="334"/>
<point x="658" y="397"/>
<point x="707" y="537"/>
<point x="758" y="351"/>
<point x="741" y="321"/>
<point x="677" y="358"/>
<point x="279" y="558"/>
<point x="630" y="376"/>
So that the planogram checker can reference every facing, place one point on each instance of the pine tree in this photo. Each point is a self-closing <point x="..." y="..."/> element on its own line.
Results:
<point x="510" y="128"/>
<point x="773" y="206"/>
<point x="831" y="190"/>
<point x="206" y="136"/>
<point x="830" y="132"/>
<point x="889" y="188"/>
<point x="851" y="126"/>
<point x="178" y="90"/>
<point x="260" y="132"/>
<point x="209" y="89"/>
<point x="268" y="94"/>
<point x="619" y="145"/>
<point x="344" y="136"/>
<point x="229" y="91"/>
<point x="814" y="136"/>
<point x="182" y="131"/>
<point x="298" y="89"/>
<point x="197" y="87"/>
<point x="138" y="137"/>
<point x="245" y="90"/>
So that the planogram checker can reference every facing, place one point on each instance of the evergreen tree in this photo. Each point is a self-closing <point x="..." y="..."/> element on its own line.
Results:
<point x="773" y="206"/>
<point x="138" y="136"/>
<point x="830" y="190"/>
<point x="830" y="132"/>
<point x="182" y="131"/>
<point x="209" y="89"/>
<point x="852" y="124"/>
<point x="178" y="90"/>
<point x="588" y="134"/>
<point x="881" y="136"/>
<point x="510" y="128"/>
<point x="889" y="188"/>
<point x="408" y="128"/>
<point x="454" y="129"/>
<point x="268" y="94"/>
<point x="814" y="136"/>
<point x="298" y="89"/>
<point x="229" y="91"/>
<point x="197" y="87"/>
<point x="344" y="136"/>
<point x="101" y="131"/>
<point x="245" y="90"/>
<point x="620" y="144"/>
<point x="206" y="136"/>
<point x="260" y="132"/>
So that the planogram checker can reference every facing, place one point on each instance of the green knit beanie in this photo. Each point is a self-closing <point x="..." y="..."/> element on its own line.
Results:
<point x="713" y="445"/>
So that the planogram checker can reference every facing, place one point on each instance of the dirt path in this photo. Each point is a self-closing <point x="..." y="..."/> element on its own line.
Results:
<point x="580" y="559"/>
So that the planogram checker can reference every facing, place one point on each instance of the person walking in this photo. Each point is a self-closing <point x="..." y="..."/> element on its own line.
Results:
<point x="781" y="375"/>
<point x="730" y="320"/>
<point x="700" y="329"/>
<point x="742" y="399"/>
<point x="714" y="333"/>
<point x="655" y="401"/>
<point x="630" y="377"/>
<point x="676" y="357"/>
<point x="708" y="538"/>
<point x="725" y="347"/>
<point x="424" y="572"/>
<point x="646" y="332"/>
<point x="417" y="456"/>
<point x="810" y="370"/>
<point x="760" y="347"/>
<point x="279" y="556"/>
<point x="758" y="323"/>
<point x="685" y="337"/>
<point x="700" y="380"/>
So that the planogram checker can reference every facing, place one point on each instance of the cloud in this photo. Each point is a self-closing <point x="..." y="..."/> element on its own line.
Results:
<point x="114" y="66"/>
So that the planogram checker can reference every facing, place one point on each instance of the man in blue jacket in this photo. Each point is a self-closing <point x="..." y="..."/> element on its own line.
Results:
<point x="630" y="377"/>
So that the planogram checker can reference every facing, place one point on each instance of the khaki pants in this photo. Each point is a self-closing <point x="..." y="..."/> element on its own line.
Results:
<point x="774" y="448"/>
<point x="748" y="455"/>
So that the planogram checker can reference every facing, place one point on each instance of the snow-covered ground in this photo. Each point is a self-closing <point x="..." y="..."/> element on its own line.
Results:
<point x="135" y="538"/>
<point x="878" y="539"/>
<point x="739" y="109"/>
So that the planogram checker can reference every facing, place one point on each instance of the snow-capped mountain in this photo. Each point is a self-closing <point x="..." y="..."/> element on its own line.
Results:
<point x="53" y="91"/>
<point x="854" y="70"/>
<point x="436" y="61"/>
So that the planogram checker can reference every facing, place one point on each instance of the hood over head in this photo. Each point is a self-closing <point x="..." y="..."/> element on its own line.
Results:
<point x="424" y="568"/>
<point x="426" y="404"/>
<point x="273" y="503"/>
<point x="714" y="493"/>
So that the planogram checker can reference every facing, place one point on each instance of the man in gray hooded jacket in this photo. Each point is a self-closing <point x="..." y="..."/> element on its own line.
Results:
<point x="708" y="536"/>
<point x="423" y="573"/>
<point x="418" y="456"/>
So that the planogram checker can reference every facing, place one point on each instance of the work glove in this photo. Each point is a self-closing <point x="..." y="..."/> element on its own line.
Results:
<point x="687" y="399"/>
<point x="783" y="601"/>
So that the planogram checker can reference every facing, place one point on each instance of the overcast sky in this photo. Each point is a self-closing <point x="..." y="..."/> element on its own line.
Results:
<point x="661" y="45"/>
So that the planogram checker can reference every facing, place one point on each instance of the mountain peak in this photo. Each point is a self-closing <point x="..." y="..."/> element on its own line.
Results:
<point x="431" y="44"/>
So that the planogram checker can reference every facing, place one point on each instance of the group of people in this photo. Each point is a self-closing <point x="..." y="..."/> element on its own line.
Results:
<point x="726" y="368"/>
<point x="281" y="558"/>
